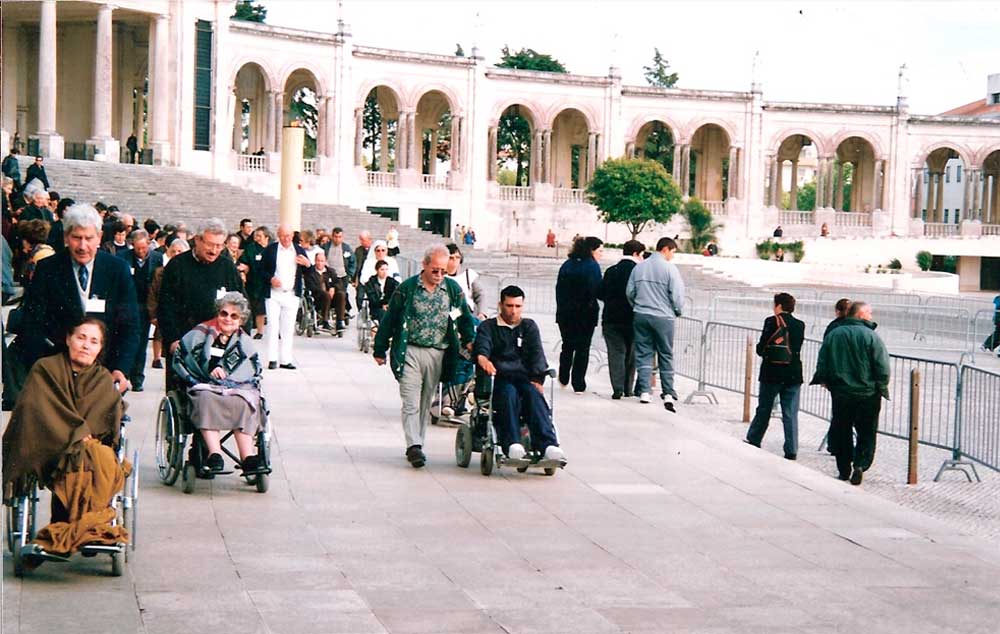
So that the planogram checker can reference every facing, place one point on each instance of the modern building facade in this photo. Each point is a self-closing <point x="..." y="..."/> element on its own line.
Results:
<point x="210" y="95"/>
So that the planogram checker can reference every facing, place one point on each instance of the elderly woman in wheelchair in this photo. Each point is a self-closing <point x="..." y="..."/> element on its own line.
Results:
<point x="221" y="373"/>
<point x="66" y="434"/>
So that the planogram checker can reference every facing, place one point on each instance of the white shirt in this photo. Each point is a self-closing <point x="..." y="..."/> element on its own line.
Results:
<point x="285" y="268"/>
<point x="311" y="253"/>
<point x="84" y="292"/>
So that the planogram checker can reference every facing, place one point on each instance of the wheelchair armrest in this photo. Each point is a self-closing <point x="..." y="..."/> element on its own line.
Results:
<point x="551" y="373"/>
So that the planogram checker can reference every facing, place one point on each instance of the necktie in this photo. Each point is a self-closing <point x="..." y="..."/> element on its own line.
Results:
<point x="82" y="274"/>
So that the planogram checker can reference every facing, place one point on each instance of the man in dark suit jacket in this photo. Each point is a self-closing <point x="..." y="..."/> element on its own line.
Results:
<point x="37" y="170"/>
<point x="82" y="281"/>
<point x="143" y="262"/>
<point x="284" y="264"/>
<point x="780" y="379"/>
<point x="616" y="321"/>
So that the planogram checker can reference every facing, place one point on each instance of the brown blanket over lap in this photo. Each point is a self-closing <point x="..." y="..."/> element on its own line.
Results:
<point x="53" y="413"/>
<point x="92" y="478"/>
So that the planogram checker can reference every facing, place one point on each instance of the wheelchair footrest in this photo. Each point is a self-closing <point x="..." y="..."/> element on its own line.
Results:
<point x="528" y="463"/>
<point x="35" y="551"/>
<point x="262" y="470"/>
<point x="90" y="550"/>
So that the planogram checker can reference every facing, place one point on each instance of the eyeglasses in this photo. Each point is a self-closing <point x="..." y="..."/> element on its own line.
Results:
<point x="226" y="315"/>
<point x="437" y="271"/>
<point x="380" y="249"/>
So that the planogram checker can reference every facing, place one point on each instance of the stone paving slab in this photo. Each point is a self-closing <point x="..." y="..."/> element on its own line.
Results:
<point x="660" y="523"/>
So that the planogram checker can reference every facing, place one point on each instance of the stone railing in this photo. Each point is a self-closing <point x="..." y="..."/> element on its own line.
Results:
<point x="715" y="207"/>
<point x="309" y="166"/>
<point x="383" y="179"/>
<point x="431" y="181"/>
<point x="569" y="195"/>
<point x="251" y="163"/>
<point x="786" y="217"/>
<point x="513" y="192"/>
<point x="853" y="219"/>
<point x="940" y="229"/>
<point x="991" y="230"/>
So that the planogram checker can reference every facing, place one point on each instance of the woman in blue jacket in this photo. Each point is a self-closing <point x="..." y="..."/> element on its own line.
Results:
<point x="577" y="309"/>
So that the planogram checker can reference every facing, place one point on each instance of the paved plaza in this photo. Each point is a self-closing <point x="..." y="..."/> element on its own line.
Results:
<point x="660" y="523"/>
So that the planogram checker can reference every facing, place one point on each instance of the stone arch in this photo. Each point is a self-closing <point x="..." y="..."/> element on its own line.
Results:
<point x="686" y="134"/>
<point x="985" y="203"/>
<point x="872" y="140"/>
<point x="961" y="150"/>
<point x="527" y="110"/>
<point x="435" y="131"/>
<point x="640" y="122"/>
<point x="303" y="70"/>
<point x="978" y="158"/>
<point x="707" y="172"/>
<point x="553" y="112"/>
<point x="856" y="175"/>
<point x="382" y="127"/>
<point x="301" y="99"/>
<point x="511" y="142"/>
<point x="822" y="146"/>
<point x="254" y="114"/>
<point x="570" y="152"/>
<point x="387" y="85"/>
<point x="795" y="163"/>
<point x="942" y="183"/>
<point x="454" y="103"/>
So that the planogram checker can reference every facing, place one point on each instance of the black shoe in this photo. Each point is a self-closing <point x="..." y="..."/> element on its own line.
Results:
<point x="341" y="326"/>
<point x="137" y="387"/>
<point x="214" y="463"/>
<point x="843" y="475"/>
<point x="259" y="335"/>
<point x="790" y="456"/>
<point x="287" y="366"/>
<point x="416" y="456"/>
<point x="856" y="476"/>
<point x="669" y="406"/>
<point x="158" y="364"/>
<point x="273" y="365"/>
<point x="757" y="445"/>
<point x="251" y="464"/>
<point x="616" y="396"/>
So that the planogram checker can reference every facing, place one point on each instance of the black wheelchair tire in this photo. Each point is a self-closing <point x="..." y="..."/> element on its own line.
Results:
<point x="188" y="478"/>
<point x="261" y="482"/>
<point x="486" y="461"/>
<point x="117" y="564"/>
<point x="550" y="471"/>
<point x="463" y="446"/>
<point x="167" y="464"/>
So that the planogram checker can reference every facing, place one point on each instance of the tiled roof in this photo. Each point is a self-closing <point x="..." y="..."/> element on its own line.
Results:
<point x="978" y="108"/>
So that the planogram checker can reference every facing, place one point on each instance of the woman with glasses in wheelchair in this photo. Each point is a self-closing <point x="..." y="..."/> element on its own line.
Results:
<point x="63" y="434"/>
<point x="218" y="365"/>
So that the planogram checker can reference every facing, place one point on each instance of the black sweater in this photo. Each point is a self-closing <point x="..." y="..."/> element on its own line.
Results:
<point x="617" y="309"/>
<point x="188" y="291"/>
<point x="790" y="374"/>
<point x="516" y="352"/>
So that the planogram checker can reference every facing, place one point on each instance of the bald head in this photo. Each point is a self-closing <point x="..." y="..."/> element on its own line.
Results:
<point x="285" y="234"/>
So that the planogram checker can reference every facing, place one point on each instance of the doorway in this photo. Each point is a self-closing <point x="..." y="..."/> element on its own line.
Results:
<point x="437" y="221"/>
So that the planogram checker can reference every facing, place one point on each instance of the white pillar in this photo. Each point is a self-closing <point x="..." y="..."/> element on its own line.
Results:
<point x="383" y="145"/>
<point x="359" y="135"/>
<point x="491" y="166"/>
<point x="732" y="177"/>
<point x="321" y="126"/>
<point x="416" y="142"/>
<point x="401" y="141"/>
<point x="547" y="156"/>
<point x="591" y="157"/>
<point x="50" y="143"/>
<point x="330" y="140"/>
<point x="876" y="202"/>
<point x="100" y="123"/>
<point x="279" y="118"/>
<point x="793" y="195"/>
<point x="269" y="131"/>
<point x="159" y="140"/>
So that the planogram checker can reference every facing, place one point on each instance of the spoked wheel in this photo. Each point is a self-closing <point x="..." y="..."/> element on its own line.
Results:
<point x="168" y="447"/>
<point x="550" y="471"/>
<point x="463" y="446"/>
<point x="486" y="461"/>
<point x="188" y="478"/>
<point x="23" y="528"/>
<point x="300" y="322"/>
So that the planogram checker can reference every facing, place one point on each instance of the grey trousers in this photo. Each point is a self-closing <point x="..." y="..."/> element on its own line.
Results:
<point x="417" y="387"/>
<point x="621" y="357"/>
<point x="654" y="335"/>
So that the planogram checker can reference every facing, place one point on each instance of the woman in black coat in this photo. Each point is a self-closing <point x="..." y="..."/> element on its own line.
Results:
<point x="577" y="309"/>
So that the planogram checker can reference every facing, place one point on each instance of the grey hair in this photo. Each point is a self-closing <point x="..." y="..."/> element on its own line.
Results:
<point x="435" y="249"/>
<point x="81" y="215"/>
<point x="138" y="234"/>
<point x="235" y="298"/>
<point x="182" y="242"/>
<point x="212" y="225"/>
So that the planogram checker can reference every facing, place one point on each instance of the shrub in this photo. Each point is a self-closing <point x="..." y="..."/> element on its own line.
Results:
<point x="895" y="264"/>
<point x="924" y="260"/>
<point x="768" y="248"/>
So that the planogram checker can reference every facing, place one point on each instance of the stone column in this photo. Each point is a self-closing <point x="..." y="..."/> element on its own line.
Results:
<point x="820" y="182"/>
<point x="675" y="172"/>
<point x="793" y="197"/>
<point x="100" y="123"/>
<point x="238" y="124"/>
<point x="329" y="132"/>
<point x="456" y="143"/>
<point x="984" y="195"/>
<point x="415" y="142"/>
<point x="383" y="145"/>
<point x="537" y="157"/>
<point x="838" y="192"/>
<point x="591" y="157"/>
<point x="939" y="199"/>
<point x="973" y="176"/>
<point x="547" y="156"/>
<point x="876" y="201"/>
<point x="685" y="180"/>
<point x="159" y="134"/>
<point x="779" y="188"/>
<point x="359" y="136"/>
<point x="774" y="167"/>
<point x="279" y="118"/>
<point x="50" y="143"/>
<point x="732" y="178"/>
<point x="968" y="213"/>
<point x="432" y="152"/>
<point x="269" y="136"/>
<point x="630" y="150"/>
<point x="918" y="190"/>
<point x="994" y="200"/>
<point x="401" y="139"/>
<point x="321" y="127"/>
<point x="491" y="166"/>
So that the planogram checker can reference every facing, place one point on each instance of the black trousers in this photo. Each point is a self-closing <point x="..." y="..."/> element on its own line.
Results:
<point x="138" y="374"/>
<point x="621" y="357"/>
<point x="575" y="354"/>
<point x="860" y="415"/>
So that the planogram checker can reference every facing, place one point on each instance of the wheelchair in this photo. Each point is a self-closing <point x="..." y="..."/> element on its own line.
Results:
<point x="174" y="429"/>
<point x="307" y="317"/>
<point x="22" y="509"/>
<point x="479" y="436"/>
<point x="366" y="327"/>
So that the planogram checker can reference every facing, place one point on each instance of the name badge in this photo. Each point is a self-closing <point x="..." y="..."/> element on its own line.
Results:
<point x="94" y="305"/>
<point x="259" y="256"/>
<point x="132" y="270"/>
<point x="217" y="352"/>
<point x="519" y="340"/>
<point x="455" y="313"/>
<point x="219" y="294"/>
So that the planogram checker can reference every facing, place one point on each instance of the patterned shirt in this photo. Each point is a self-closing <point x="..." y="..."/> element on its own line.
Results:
<point x="428" y="318"/>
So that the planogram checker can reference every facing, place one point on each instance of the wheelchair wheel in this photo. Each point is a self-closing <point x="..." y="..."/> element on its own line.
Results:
<point x="188" y="477"/>
<point x="486" y="461"/>
<point x="168" y="448"/>
<point x="550" y="471"/>
<point x="463" y="446"/>
<point x="300" y="321"/>
<point x="522" y="469"/>
<point x="261" y="482"/>
<point x="117" y="564"/>
<point x="22" y="527"/>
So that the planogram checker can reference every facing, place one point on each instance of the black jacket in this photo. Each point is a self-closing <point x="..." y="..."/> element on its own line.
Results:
<point x="34" y="171"/>
<point x="142" y="276"/>
<point x="833" y="325"/>
<point x="30" y="212"/>
<point x="790" y="374"/>
<point x="188" y="290"/>
<point x="52" y="305"/>
<point x="269" y="264"/>
<point x="617" y="309"/>
<point x="576" y="292"/>
<point x="377" y="297"/>
<point x="517" y="352"/>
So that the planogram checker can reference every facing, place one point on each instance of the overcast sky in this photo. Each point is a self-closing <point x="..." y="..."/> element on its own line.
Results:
<point x="844" y="52"/>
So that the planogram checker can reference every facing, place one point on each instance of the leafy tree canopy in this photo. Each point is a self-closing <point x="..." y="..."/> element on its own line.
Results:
<point x="659" y="74"/>
<point x="634" y="192"/>
<point x="250" y="11"/>
<point x="529" y="59"/>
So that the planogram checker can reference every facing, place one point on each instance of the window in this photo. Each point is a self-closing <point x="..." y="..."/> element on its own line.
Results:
<point x="958" y="173"/>
<point x="995" y="98"/>
<point x="947" y="174"/>
<point x="946" y="215"/>
<point x="927" y="174"/>
<point x="203" y="86"/>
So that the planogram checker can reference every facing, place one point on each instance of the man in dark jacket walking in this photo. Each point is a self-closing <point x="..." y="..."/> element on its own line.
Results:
<point x="37" y="170"/>
<point x="853" y="364"/>
<point x="616" y="321"/>
<point x="143" y="262"/>
<point x="780" y="349"/>
<point x="577" y="309"/>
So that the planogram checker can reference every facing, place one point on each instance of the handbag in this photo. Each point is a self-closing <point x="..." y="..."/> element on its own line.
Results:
<point x="777" y="350"/>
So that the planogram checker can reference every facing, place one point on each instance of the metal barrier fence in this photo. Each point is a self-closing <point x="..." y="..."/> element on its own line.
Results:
<point x="979" y="416"/>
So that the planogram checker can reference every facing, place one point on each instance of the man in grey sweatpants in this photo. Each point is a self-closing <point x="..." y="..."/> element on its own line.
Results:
<point x="656" y="291"/>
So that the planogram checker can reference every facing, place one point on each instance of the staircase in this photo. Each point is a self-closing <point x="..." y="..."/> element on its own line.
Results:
<point x="170" y="195"/>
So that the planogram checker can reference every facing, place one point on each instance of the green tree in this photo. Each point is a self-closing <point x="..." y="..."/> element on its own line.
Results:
<point x="847" y="185"/>
<point x="514" y="142"/>
<point x="371" y="123"/>
<point x="530" y="59"/>
<point x="249" y="11"/>
<point x="701" y="225"/>
<point x="634" y="192"/>
<point x="459" y="51"/>
<point x="659" y="146"/>
<point x="659" y="74"/>
<point x="303" y="108"/>
<point x="506" y="176"/>
<point x="806" y="198"/>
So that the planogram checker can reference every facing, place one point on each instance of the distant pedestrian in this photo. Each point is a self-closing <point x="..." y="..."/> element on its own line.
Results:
<point x="577" y="309"/>
<point x="37" y="170"/>
<point x="284" y="265"/>
<point x="656" y="291"/>
<point x="840" y="314"/>
<point x="132" y="144"/>
<point x="616" y="321"/>
<point x="12" y="169"/>
<point x="392" y="241"/>
<point x="853" y="364"/>
<point x="780" y="348"/>
<point x="993" y="341"/>
<point x="778" y="232"/>
<point x="550" y="239"/>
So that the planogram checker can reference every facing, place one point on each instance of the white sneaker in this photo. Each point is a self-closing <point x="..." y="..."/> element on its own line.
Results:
<point x="516" y="451"/>
<point x="645" y="397"/>
<point x="554" y="453"/>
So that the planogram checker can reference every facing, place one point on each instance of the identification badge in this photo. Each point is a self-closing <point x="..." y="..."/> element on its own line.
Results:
<point x="259" y="256"/>
<point x="132" y="270"/>
<point x="455" y="313"/>
<point x="217" y="352"/>
<point x="94" y="305"/>
<point x="519" y="340"/>
<point x="219" y="294"/>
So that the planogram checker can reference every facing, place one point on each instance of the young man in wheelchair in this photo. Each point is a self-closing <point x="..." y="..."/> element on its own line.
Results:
<point x="509" y="349"/>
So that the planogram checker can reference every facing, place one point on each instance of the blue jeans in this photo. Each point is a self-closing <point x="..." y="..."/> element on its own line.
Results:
<point x="654" y="335"/>
<point x="789" y="395"/>
<point x="513" y="398"/>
